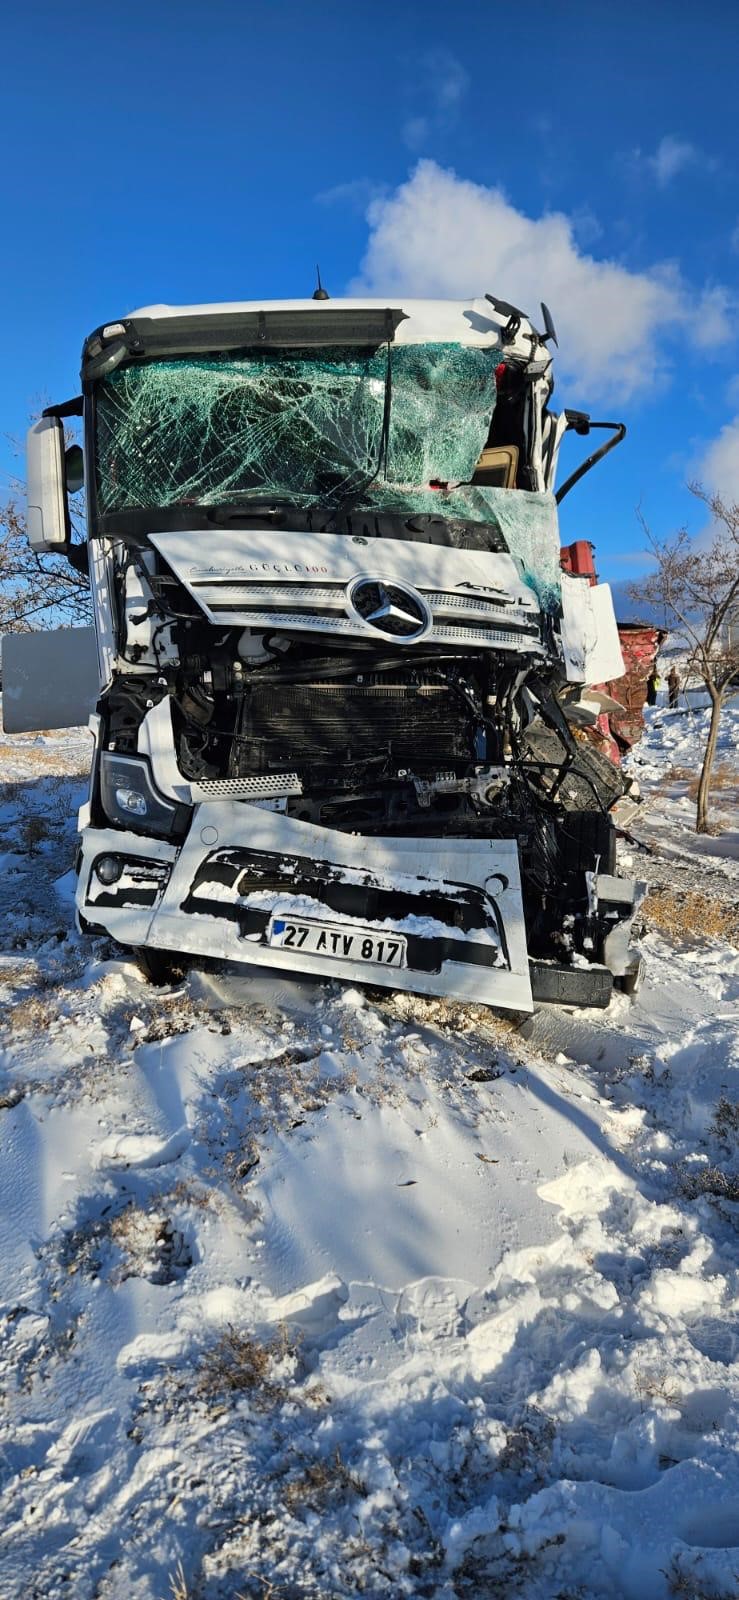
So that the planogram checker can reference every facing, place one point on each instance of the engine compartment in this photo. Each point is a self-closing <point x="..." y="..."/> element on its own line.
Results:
<point x="379" y="740"/>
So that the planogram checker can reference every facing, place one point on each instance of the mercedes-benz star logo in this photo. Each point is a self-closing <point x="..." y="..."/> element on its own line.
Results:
<point x="391" y="609"/>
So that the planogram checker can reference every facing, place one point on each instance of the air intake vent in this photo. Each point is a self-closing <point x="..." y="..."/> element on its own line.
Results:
<point x="259" y="788"/>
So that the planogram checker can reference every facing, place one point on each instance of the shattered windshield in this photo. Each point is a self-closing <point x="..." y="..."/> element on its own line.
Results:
<point x="316" y="428"/>
<point x="303" y="425"/>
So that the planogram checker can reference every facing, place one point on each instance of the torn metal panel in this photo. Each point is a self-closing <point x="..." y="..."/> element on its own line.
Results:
<point x="590" y="642"/>
<point x="456" y="903"/>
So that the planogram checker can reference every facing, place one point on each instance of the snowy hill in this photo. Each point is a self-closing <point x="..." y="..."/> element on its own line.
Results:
<point x="310" y="1292"/>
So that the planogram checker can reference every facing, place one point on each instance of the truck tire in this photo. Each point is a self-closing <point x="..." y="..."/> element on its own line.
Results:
<point x="159" y="967"/>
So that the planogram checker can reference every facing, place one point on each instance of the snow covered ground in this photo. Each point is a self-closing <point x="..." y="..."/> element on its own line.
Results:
<point x="666" y="766"/>
<point x="307" y="1292"/>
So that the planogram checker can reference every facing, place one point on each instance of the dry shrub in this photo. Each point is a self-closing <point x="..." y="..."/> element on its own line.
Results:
<point x="150" y="1246"/>
<point x="458" y="1015"/>
<point x="726" y="1120"/>
<point x="322" y="1482"/>
<point x="657" y="1385"/>
<point x="188" y="1192"/>
<point x="709" y="1181"/>
<point x="178" y="1583"/>
<point x="684" y="1586"/>
<point x="722" y="777"/>
<point x="33" y="831"/>
<point x="32" y="1014"/>
<point x="40" y="759"/>
<point x="267" y="1590"/>
<point x="241" y="1364"/>
<point x="12" y="1097"/>
<point x="677" y="775"/>
<point x="685" y="914"/>
<point x="529" y="1445"/>
<point x="174" y="1014"/>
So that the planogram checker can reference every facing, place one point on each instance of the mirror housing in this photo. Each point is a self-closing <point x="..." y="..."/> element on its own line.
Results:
<point x="47" y="524"/>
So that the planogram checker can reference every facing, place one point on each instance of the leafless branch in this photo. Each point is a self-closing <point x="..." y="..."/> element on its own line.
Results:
<point x="697" y="585"/>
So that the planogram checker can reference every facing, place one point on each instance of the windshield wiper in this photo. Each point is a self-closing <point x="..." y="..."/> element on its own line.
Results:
<point x="248" y="506"/>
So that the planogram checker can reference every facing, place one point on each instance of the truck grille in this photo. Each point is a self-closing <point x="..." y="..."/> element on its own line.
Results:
<point x="475" y="620"/>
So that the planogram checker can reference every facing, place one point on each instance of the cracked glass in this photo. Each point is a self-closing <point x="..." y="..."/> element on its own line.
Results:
<point x="291" y="423"/>
<point x="309" y="427"/>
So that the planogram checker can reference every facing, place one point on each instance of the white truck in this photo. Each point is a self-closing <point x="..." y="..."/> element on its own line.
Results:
<point x="342" y="677"/>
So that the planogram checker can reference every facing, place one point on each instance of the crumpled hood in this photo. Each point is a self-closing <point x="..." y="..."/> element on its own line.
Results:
<point x="378" y="590"/>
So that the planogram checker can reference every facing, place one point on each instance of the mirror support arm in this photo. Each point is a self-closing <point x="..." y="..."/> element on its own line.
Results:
<point x="67" y="408"/>
<point x="583" y="425"/>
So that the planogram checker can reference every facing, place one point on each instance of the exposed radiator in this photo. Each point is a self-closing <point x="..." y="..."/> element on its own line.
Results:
<point x="421" y="725"/>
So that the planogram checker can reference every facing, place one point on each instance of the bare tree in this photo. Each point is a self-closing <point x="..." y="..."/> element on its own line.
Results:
<point x="697" y="584"/>
<point x="36" y="591"/>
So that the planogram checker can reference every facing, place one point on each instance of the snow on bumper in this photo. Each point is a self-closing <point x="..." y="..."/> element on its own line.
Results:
<point x="456" y="904"/>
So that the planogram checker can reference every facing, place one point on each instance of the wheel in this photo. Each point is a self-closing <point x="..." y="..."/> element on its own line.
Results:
<point x="160" y="967"/>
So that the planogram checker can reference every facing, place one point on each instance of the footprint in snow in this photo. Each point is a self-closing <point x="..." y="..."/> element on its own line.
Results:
<point x="432" y="1307"/>
<point x="84" y="1445"/>
<point x="142" y="1149"/>
<point x="315" y="1309"/>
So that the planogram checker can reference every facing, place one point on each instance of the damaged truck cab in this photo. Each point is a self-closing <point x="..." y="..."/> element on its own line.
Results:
<point x="338" y="727"/>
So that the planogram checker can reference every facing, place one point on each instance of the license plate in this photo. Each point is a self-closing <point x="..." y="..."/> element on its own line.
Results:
<point x="336" y="940"/>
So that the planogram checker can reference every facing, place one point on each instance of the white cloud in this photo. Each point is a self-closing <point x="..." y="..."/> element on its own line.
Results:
<point x="438" y="234"/>
<point x="712" y="318"/>
<point x="719" y="467"/>
<point x="673" y="156"/>
<point x="442" y="84"/>
<point x="357" y="193"/>
<point x="734" y="241"/>
<point x="447" y="77"/>
<point x="415" y="132"/>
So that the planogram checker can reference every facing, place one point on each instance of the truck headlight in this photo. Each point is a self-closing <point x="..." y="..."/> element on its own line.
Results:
<point x="128" y="797"/>
<point x="131" y="800"/>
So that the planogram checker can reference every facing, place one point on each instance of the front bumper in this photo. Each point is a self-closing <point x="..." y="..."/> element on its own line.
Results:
<point x="456" y="902"/>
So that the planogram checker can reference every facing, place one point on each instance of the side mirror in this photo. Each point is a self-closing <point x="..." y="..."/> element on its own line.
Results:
<point x="74" y="468"/>
<point x="47" y="524"/>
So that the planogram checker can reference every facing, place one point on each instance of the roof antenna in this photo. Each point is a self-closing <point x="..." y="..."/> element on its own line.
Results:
<point x="319" y="293"/>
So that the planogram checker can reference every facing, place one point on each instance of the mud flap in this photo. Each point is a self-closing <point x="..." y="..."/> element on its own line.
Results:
<point x="454" y="905"/>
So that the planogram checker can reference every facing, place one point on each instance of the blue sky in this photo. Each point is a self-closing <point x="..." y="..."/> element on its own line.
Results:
<point x="576" y="152"/>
